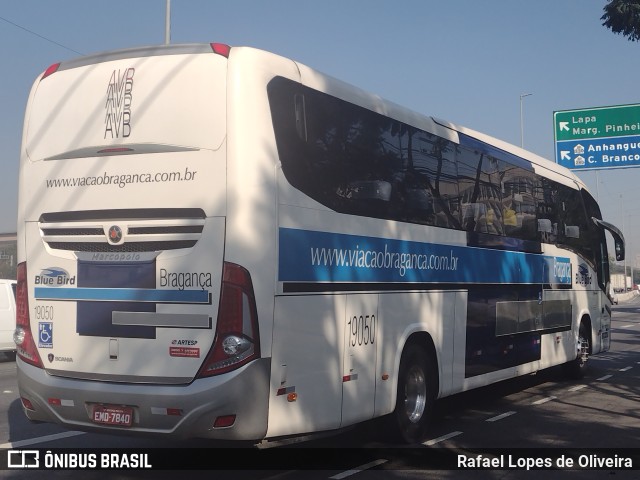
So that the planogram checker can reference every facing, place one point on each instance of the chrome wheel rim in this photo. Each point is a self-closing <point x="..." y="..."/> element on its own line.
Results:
<point x="415" y="394"/>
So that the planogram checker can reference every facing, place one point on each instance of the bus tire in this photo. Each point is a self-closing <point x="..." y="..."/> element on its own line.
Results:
<point x="415" y="396"/>
<point x="576" y="368"/>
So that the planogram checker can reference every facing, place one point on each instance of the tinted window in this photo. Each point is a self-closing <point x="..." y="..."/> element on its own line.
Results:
<point x="480" y="192"/>
<point x="359" y="162"/>
<point x="597" y="239"/>
<point x="575" y="231"/>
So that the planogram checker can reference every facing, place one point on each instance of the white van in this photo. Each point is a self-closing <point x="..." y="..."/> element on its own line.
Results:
<point x="7" y="315"/>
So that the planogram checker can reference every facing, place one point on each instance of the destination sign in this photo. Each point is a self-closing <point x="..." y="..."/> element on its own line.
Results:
<point x="598" y="138"/>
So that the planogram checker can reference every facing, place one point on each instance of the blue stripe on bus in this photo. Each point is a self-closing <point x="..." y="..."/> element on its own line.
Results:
<point x="310" y="256"/>
<point x="122" y="295"/>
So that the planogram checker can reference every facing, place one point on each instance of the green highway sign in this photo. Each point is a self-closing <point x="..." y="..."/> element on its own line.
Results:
<point x="597" y="122"/>
<point x="596" y="138"/>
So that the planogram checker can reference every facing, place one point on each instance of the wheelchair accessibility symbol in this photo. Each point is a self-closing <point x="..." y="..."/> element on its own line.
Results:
<point x="45" y="335"/>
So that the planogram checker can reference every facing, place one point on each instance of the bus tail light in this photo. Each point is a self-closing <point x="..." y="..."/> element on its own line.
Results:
<point x="23" y="337"/>
<point x="221" y="49"/>
<point x="237" y="340"/>
<point x="26" y="403"/>
<point x="50" y="70"/>
<point x="224" y="421"/>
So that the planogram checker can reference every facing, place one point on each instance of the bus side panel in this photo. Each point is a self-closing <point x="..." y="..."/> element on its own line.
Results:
<point x="403" y="314"/>
<point x="459" y="346"/>
<point x="362" y="336"/>
<point x="560" y="347"/>
<point x="600" y="321"/>
<point x="307" y="360"/>
<point x="251" y="181"/>
<point x="601" y="331"/>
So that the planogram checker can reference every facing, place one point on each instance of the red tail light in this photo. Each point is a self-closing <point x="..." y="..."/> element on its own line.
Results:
<point x="25" y="344"/>
<point x="51" y="70"/>
<point x="237" y="341"/>
<point x="221" y="49"/>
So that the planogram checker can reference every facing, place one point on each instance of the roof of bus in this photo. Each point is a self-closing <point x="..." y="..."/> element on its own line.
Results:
<point x="444" y="128"/>
<point x="332" y="85"/>
<point x="144" y="51"/>
<point x="515" y="150"/>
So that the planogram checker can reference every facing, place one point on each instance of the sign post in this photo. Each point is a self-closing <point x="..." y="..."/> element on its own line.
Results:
<point x="598" y="138"/>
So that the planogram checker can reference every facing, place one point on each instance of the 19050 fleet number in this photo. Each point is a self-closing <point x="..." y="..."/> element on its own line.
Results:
<point x="362" y="330"/>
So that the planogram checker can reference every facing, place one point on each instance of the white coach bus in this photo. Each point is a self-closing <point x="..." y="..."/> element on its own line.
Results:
<point x="220" y="242"/>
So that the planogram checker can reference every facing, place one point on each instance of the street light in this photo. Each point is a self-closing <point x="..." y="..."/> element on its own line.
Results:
<point x="521" y="119"/>
<point x="167" y="23"/>
<point x="625" y="258"/>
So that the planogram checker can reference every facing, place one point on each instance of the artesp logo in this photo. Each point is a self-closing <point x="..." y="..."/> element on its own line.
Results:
<point x="54" y="277"/>
<point x="184" y="342"/>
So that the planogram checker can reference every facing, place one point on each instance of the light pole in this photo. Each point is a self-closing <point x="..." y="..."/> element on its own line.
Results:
<point x="625" y="257"/>
<point x="167" y="23"/>
<point x="521" y="119"/>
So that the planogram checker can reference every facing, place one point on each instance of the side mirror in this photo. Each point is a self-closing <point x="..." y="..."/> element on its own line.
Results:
<point x="618" y="238"/>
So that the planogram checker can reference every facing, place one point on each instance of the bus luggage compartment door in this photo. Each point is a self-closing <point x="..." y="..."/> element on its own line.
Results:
<point x="361" y="340"/>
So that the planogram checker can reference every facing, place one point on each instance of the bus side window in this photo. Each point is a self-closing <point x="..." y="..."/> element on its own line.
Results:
<point x="431" y="182"/>
<point x="546" y="198"/>
<point x="301" y="119"/>
<point x="480" y="192"/>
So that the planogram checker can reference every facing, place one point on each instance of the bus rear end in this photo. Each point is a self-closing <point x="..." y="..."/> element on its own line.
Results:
<point x="128" y="316"/>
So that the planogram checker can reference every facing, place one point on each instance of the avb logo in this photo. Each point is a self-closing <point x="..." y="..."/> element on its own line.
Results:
<point x="117" y="120"/>
<point x="54" y="277"/>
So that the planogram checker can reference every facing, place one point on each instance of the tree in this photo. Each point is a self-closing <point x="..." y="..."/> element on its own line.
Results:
<point x="623" y="17"/>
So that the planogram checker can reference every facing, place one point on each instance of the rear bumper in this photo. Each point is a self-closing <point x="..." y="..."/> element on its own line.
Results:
<point x="244" y="393"/>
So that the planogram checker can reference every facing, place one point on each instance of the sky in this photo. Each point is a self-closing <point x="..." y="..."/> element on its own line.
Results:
<point x="466" y="61"/>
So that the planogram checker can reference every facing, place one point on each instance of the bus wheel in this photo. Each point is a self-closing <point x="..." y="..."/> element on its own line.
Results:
<point x="416" y="395"/>
<point x="577" y="367"/>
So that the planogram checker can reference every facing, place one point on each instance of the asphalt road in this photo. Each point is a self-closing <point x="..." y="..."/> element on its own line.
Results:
<point x="543" y="411"/>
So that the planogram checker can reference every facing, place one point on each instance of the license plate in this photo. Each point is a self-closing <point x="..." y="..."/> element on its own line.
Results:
<point x="113" y="415"/>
